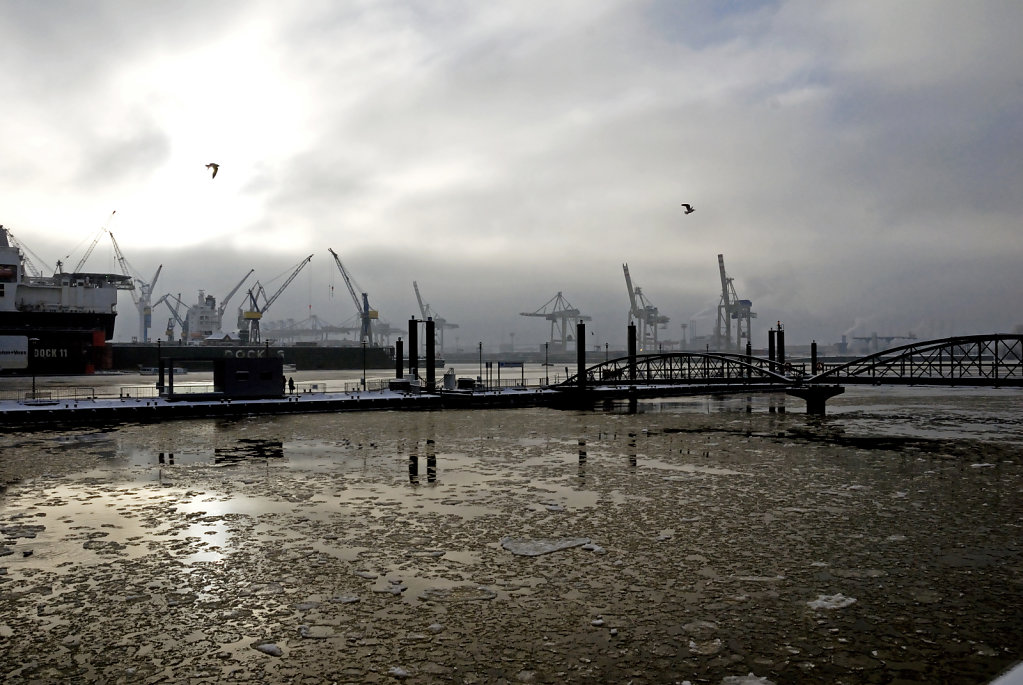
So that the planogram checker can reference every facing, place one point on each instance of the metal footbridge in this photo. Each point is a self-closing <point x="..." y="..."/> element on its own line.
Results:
<point x="978" y="360"/>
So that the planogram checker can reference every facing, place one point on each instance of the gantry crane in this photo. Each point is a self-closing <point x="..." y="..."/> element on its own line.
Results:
<point x="558" y="311"/>
<point x="731" y="308"/>
<point x="440" y="323"/>
<point x="255" y="311"/>
<point x="366" y="314"/>
<point x="647" y="315"/>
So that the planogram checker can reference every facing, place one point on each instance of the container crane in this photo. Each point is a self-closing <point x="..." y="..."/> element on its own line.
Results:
<point x="440" y="322"/>
<point x="558" y="311"/>
<point x="366" y="315"/>
<point x="648" y="316"/>
<point x="254" y="313"/>
<point x="731" y="308"/>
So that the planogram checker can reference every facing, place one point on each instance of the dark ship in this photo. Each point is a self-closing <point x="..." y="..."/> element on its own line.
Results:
<point x="54" y="325"/>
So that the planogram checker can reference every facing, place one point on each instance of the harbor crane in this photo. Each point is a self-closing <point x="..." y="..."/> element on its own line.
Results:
<point x="439" y="322"/>
<point x="366" y="314"/>
<point x="648" y="316"/>
<point x="223" y="302"/>
<point x="175" y="316"/>
<point x="32" y="268"/>
<point x="142" y="290"/>
<point x="730" y="309"/>
<point x="558" y="311"/>
<point x="255" y="311"/>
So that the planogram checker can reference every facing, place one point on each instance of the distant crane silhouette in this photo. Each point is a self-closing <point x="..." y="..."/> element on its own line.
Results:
<point x="216" y="168"/>
<point x="689" y="208"/>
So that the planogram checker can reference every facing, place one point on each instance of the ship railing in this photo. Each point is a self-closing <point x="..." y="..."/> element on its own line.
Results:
<point x="70" y="392"/>
<point x="128" y="392"/>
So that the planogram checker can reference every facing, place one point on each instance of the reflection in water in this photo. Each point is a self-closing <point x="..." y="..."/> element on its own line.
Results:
<point x="248" y="448"/>
<point x="582" y="459"/>
<point x="632" y="450"/>
<point x="431" y="463"/>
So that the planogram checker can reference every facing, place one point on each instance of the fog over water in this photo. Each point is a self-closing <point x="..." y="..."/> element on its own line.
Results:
<point x="857" y="164"/>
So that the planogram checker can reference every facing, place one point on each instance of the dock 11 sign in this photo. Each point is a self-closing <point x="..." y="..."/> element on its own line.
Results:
<point x="13" y="352"/>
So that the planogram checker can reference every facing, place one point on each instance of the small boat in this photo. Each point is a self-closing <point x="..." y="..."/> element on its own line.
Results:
<point x="288" y="368"/>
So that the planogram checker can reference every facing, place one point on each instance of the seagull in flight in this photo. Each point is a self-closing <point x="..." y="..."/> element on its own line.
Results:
<point x="689" y="208"/>
<point x="215" y="167"/>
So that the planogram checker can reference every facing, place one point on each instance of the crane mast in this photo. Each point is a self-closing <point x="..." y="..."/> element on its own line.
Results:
<point x="648" y="316"/>
<point x="731" y="308"/>
<point x="440" y="323"/>
<point x="366" y="315"/>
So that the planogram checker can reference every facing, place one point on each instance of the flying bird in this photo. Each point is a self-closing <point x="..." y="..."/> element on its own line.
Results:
<point x="215" y="168"/>
<point x="689" y="208"/>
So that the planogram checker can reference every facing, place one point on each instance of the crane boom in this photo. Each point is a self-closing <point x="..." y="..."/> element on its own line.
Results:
<point x="255" y="312"/>
<point x="422" y="307"/>
<point x="223" y="302"/>
<point x="366" y="314"/>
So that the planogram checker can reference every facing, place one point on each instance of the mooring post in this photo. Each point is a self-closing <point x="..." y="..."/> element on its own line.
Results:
<point x="580" y="354"/>
<point x="813" y="358"/>
<point x="399" y="359"/>
<point x="781" y="346"/>
<point x="749" y="359"/>
<point x="413" y="348"/>
<point x="159" y="382"/>
<point x="431" y="366"/>
<point x="632" y="352"/>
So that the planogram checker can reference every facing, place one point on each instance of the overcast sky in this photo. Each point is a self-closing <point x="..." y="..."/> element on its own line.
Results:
<point x="859" y="164"/>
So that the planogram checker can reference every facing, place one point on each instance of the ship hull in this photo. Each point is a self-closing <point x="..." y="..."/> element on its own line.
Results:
<point x="132" y="356"/>
<point x="64" y="344"/>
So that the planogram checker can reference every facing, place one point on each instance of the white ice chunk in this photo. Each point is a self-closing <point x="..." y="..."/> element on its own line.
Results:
<point x="269" y="648"/>
<point x="837" y="601"/>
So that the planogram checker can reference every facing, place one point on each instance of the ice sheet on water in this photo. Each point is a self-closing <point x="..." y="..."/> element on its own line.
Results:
<point x="534" y="548"/>
<point x="836" y="601"/>
<point x="749" y="679"/>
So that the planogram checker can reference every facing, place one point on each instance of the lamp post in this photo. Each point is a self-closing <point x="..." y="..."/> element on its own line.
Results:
<point x="605" y="352"/>
<point x="546" y="365"/>
<point x="32" y="342"/>
<point x="480" y="377"/>
<point x="363" y="363"/>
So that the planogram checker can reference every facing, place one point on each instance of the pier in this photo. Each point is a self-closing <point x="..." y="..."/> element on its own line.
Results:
<point x="992" y="361"/>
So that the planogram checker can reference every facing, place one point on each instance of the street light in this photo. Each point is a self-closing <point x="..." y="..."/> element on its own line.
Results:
<point x="480" y="377"/>
<point x="546" y="365"/>
<point x="363" y="363"/>
<point x="32" y="342"/>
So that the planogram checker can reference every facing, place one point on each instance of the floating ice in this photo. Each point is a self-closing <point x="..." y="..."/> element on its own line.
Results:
<point x="534" y="548"/>
<point x="368" y="575"/>
<point x="269" y="648"/>
<point x="398" y="672"/>
<point x="838" y="601"/>
<point x="590" y="547"/>
<point x="981" y="466"/>
<point x="750" y="679"/>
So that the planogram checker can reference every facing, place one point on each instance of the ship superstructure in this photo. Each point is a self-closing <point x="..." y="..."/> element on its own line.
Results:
<point x="55" y="324"/>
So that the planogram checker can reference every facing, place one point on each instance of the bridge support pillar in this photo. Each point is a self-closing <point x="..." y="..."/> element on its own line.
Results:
<point x="580" y="354"/>
<point x="816" y="396"/>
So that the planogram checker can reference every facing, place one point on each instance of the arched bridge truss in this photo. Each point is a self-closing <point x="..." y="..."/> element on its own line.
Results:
<point x="684" y="368"/>
<point x="979" y="360"/>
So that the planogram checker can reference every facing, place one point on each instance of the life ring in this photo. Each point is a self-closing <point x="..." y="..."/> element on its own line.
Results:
<point x="820" y="367"/>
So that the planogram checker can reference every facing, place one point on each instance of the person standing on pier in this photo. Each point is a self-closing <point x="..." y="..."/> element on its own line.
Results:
<point x="291" y="385"/>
